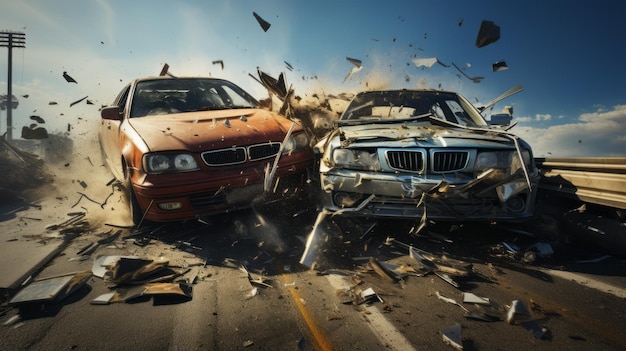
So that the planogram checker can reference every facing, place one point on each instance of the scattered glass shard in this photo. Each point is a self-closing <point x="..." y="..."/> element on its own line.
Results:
<point x="475" y="299"/>
<point x="452" y="336"/>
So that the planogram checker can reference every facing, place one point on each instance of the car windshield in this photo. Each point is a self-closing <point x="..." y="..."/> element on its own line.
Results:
<point x="402" y="105"/>
<point x="178" y="95"/>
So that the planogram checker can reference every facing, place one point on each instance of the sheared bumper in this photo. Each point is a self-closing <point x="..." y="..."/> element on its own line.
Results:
<point x="494" y="197"/>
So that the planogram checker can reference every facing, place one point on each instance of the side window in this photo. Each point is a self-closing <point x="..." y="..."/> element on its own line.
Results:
<point x="122" y="97"/>
<point x="460" y="116"/>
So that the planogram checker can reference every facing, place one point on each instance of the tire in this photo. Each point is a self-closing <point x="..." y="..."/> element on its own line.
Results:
<point x="134" y="210"/>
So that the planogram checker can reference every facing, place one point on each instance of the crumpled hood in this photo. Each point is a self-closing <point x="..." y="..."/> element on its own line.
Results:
<point x="403" y="135"/>
<point x="204" y="130"/>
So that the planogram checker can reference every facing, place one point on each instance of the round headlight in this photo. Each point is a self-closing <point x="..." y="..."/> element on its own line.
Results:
<point x="158" y="163"/>
<point x="184" y="162"/>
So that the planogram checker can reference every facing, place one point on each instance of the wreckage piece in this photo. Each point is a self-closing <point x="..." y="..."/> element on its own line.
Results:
<point x="37" y="119"/>
<point x="488" y="33"/>
<point x="116" y="270"/>
<point x="499" y="66"/>
<point x="51" y="289"/>
<point x="136" y="292"/>
<point x="442" y="265"/>
<point x="446" y="278"/>
<point x="452" y="336"/>
<point x="386" y="270"/>
<point x="78" y="101"/>
<point x="451" y="301"/>
<point x="274" y="85"/>
<point x="34" y="133"/>
<point x="263" y="23"/>
<point x="258" y="281"/>
<point x="309" y="256"/>
<point x="516" y="310"/>
<point x="100" y="263"/>
<point x="69" y="78"/>
<point x="475" y="299"/>
<point x="427" y="62"/>
<point x="368" y="295"/>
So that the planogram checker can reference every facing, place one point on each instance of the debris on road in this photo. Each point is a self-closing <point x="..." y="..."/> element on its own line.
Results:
<point x="52" y="289"/>
<point x="452" y="336"/>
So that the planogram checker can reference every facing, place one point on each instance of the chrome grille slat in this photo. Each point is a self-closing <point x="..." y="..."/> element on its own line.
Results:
<point x="412" y="161"/>
<point x="448" y="161"/>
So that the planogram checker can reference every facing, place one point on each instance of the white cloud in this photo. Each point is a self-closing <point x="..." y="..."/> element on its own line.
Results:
<point x="598" y="134"/>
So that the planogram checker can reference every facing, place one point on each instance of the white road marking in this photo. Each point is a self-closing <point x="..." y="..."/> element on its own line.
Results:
<point x="382" y="328"/>
<point x="586" y="281"/>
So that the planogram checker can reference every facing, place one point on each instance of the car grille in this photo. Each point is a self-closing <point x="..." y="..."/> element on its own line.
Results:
<point x="230" y="156"/>
<point x="412" y="161"/>
<point x="237" y="155"/>
<point x="261" y="151"/>
<point x="447" y="161"/>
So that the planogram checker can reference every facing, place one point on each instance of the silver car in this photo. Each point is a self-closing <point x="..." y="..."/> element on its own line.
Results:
<point x="424" y="153"/>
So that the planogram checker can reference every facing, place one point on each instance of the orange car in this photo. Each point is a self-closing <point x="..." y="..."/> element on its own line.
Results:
<point x="189" y="147"/>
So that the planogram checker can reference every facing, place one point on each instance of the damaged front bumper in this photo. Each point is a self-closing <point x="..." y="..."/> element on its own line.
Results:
<point x="491" y="196"/>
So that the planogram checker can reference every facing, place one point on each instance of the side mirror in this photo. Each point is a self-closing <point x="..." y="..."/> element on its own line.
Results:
<point x="112" y="113"/>
<point x="500" y="119"/>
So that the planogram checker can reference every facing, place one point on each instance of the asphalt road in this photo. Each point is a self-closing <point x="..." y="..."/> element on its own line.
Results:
<point x="249" y="291"/>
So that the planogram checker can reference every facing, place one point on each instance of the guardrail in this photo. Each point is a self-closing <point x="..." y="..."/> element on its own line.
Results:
<point x="598" y="180"/>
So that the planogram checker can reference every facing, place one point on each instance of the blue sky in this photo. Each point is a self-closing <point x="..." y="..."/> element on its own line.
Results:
<point x="568" y="57"/>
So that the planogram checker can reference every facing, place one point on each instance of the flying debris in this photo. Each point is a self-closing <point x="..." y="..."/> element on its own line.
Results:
<point x="33" y="132"/>
<point x="78" y="101"/>
<point x="68" y="78"/>
<point x="488" y="33"/>
<point x="52" y="103"/>
<point x="473" y="79"/>
<point x="89" y="102"/>
<point x="164" y="70"/>
<point x="289" y="66"/>
<point x="37" y="119"/>
<point x="499" y="66"/>
<point x="427" y="62"/>
<point x="357" y="67"/>
<point x="264" y="24"/>
<point x="460" y="22"/>
<point x="25" y="96"/>
<point x="219" y="62"/>
<point x="276" y="86"/>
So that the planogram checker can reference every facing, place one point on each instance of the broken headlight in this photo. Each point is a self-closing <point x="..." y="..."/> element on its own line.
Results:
<point x="517" y="165"/>
<point x="165" y="163"/>
<point x="356" y="159"/>
<point x="507" y="161"/>
<point x="296" y="142"/>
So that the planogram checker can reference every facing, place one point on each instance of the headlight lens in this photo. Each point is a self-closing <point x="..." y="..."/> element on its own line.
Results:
<point x="356" y="159"/>
<point x="515" y="161"/>
<point x="503" y="160"/>
<point x="296" y="142"/>
<point x="162" y="163"/>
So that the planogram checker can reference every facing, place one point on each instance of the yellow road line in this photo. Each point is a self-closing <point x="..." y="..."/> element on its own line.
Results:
<point x="321" y="340"/>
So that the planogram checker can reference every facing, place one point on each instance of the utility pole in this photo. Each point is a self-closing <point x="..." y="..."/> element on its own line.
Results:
<point x="11" y="40"/>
